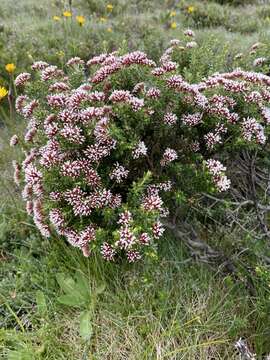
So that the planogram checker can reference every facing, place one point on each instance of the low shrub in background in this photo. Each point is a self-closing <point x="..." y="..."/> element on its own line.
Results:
<point x="118" y="144"/>
<point x="234" y="2"/>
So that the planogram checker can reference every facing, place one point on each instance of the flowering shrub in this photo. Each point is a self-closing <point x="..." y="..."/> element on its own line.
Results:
<point x="110" y="142"/>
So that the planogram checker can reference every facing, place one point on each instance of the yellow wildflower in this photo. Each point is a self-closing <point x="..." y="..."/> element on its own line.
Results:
<point x="80" y="19"/>
<point x="67" y="13"/>
<point x="56" y="18"/>
<point x="110" y="7"/>
<point x="60" y="53"/>
<point x="3" y="92"/>
<point x="191" y="9"/>
<point x="10" y="68"/>
<point x="173" y="25"/>
<point x="172" y="13"/>
<point x="103" y="19"/>
<point x="109" y="29"/>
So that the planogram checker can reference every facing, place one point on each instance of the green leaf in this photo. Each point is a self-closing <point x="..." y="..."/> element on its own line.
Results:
<point x="41" y="302"/>
<point x="100" y="289"/>
<point x="71" y="300"/>
<point x="83" y="286"/>
<point x="85" y="325"/>
<point x="66" y="283"/>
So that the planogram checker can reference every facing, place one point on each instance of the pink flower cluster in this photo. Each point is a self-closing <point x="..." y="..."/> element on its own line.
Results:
<point x="111" y="63"/>
<point x="140" y="150"/>
<point x="170" y="119"/>
<point x="252" y="130"/>
<point x="217" y="170"/>
<point x="119" y="173"/>
<point x="22" y="79"/>
<point x="168" y="156"/>
<point x="129" y="240"/>
<point x="192" y="119"/>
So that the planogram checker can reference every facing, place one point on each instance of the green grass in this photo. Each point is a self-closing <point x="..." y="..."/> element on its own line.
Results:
<point x="170" y="308"/>
<point x="173" y="309"/>
<point x="138" y="24"/>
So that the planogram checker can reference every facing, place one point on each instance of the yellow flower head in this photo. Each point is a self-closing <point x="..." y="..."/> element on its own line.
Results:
<point x="67" y="13"/>
<point x="172" y="13"/>
<point x="110" y="7"/>
<point x="103" y="19"/>
<point x="10" y="68"/>
<point x="191" y="9"/>
<point x="60" y="53"/>
<point x="3" y="92"/>
<point x="80" y="19"/>
<point x="109" y="29"/>
<point x="173" y="25"/>
<point x="56" y="18"/>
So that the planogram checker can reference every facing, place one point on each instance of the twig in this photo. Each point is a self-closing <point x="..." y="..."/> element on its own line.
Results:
<point x="244" y="351"/>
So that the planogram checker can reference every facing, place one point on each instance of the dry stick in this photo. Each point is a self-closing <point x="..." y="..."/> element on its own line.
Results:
<point x="244" y="351"/>
<point x="238" y="204"/>
<point x="248" y="184"/>
<point x="255" y="198"/>
<point x="232" y="214"/>
<point x="206" y="254"/>
<point x="198" y="247"/>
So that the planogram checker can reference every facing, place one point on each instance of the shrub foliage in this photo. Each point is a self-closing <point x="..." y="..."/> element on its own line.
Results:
<point x="113" y="145"/>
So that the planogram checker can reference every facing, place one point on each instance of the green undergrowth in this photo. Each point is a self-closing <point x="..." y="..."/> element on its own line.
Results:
<point x="170" y="308"/>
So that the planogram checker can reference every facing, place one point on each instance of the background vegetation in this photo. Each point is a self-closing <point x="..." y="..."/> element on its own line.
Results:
<point x="55" y="304"/>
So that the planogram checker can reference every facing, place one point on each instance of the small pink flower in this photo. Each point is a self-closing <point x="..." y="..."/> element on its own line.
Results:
<point x="170" y="119"/>
<point x="75" y="61"/>
<point x="140" y="150"/>
<point x="119" y="173"/>
<point x="168" y="156"/>
<point x="108" y="252"/>
<point x="22" y="79"/>
<point x="189" y="33"/>
<point x="14" y="140"/>
<point x="158" y="230"/>
<point x="133" y="255"/>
